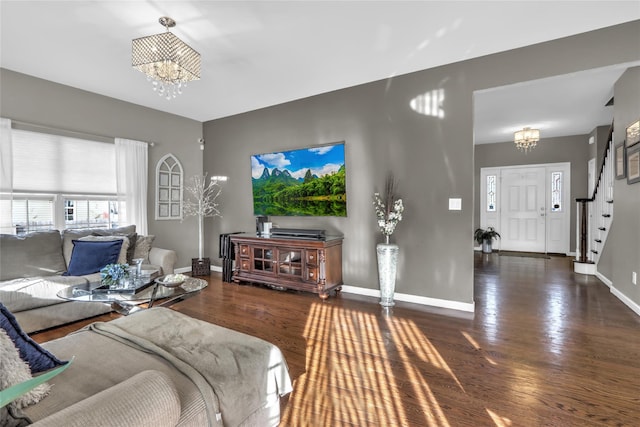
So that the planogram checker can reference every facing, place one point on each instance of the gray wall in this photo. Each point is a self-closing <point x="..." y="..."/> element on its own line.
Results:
<point x="41" y="102"/>
<point x="622" y="249"/>
<point x="572" y="149"/>
<point x="431" y="157"/>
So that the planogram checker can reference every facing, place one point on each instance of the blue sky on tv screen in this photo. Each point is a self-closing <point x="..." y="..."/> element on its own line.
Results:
<point x="321" y="160"/>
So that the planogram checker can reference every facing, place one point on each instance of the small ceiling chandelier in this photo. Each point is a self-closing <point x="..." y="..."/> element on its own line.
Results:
<point x="168" y="62"/>
<point x="526" y="139"/>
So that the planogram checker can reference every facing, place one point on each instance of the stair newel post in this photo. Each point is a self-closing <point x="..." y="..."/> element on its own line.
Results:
<point x="583" y="228"/>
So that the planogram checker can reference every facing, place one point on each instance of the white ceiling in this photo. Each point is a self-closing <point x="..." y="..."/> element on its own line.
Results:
<point x="261" y="53"/>
<point x="571" y="104"/>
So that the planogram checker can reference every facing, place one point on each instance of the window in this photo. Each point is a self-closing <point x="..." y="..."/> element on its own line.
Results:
<point x="491" y="193"/>
<point x="169" y="188"/>
<point x="33" y="214"/>
<point x="61" y="182"/>
<point x="556" y="191"/>
<point x="40" y="212"/>
<point x="90" y="213"/>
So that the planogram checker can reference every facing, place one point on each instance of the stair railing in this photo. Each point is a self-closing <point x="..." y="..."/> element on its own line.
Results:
<point x="595" y="214"/>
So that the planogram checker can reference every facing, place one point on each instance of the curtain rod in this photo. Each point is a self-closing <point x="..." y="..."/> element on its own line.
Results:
<point x="20" y="125"/>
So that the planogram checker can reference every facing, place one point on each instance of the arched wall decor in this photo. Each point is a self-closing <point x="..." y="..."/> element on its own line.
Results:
<point x="169" y="186"/>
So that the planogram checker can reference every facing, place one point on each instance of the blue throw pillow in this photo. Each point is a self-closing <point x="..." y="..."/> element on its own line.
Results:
<point x="89" y="257"/>
<point x="38" y="358"/>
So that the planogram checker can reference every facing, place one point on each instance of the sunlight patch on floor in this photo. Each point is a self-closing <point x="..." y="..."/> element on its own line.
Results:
<point x="498" y="420"/>
<point x="348" y="378"/>
<point x="411" y="344"/>
<point x="359" y="366"/>
<point x="475" y="345"/>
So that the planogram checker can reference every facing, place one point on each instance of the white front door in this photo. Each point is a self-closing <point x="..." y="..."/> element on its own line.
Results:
<point x="522" y="217"/>
<point x="503" y="190"/>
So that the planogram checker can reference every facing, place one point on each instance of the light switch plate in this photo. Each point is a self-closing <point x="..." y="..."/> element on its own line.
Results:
<point x="455" y="204"/>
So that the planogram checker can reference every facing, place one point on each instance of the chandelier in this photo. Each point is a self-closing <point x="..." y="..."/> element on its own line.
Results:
<point x="168" y="62"/>
<point x="526" y="139"/>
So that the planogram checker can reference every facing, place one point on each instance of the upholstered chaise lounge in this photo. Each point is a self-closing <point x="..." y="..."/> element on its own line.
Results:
<point x="159" y="367"/>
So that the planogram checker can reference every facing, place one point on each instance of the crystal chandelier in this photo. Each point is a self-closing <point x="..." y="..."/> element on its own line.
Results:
<point x="526" y="139"/>
<point x="168" y="62"/>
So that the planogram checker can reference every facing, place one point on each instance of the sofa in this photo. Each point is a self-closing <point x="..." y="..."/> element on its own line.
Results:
<point x="36" y="266"/>
<point x="156" y="367"/>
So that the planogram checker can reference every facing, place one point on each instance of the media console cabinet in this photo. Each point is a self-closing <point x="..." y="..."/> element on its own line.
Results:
<point x="304" y="264"/>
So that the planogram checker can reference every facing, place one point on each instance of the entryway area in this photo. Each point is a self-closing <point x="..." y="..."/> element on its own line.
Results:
<point x="528" y="205"/>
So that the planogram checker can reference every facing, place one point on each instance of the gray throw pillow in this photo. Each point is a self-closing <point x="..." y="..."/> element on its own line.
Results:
<point x="143" y="247"/>
<point x="31" y="255"/>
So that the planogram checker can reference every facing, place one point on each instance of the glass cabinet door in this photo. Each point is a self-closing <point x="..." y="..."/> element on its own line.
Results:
<point x="263" y="259"/>
<point x="290" y="261"/>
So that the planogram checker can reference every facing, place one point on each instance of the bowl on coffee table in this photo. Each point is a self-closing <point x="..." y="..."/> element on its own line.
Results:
<point x="171" y="280"/>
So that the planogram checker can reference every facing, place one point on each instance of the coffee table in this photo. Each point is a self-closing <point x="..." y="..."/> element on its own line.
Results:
<point x="127" y="303"/>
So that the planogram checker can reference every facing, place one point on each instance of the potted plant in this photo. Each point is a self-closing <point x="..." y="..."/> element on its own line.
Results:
<point x="485" y="238"/>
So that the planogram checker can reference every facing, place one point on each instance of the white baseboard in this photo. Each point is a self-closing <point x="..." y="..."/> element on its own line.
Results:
<point x="454" y="305"/>
<point x="603" y="279"/>
<point x="626" y="300"/>
<point x="622" y="297"/>
<point x="416" y="299"/>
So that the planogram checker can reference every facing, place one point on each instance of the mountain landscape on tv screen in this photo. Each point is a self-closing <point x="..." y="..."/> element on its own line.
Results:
<point x="307" y="182"/>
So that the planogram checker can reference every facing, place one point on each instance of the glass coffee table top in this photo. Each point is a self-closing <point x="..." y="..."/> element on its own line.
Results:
<point x="125" y="303"/>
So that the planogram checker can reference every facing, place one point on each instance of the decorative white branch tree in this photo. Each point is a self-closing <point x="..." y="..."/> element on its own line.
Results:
<point x="200" y="200"/>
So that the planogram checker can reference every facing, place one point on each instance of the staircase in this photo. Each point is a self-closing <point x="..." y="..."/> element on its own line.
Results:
<point x="595" y="216"/>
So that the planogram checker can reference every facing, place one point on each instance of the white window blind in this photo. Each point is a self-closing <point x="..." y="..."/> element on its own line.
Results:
<point x="59" y="164"/>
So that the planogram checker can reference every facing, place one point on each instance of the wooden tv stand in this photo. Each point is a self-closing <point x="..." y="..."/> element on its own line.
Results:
<point x="304" y="264"/>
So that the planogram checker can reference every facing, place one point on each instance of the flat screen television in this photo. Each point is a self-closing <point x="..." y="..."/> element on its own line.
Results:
<point x="304" y="182"/>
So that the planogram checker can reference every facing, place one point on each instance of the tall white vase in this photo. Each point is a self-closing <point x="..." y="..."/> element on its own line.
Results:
<point x="387" y="262"/>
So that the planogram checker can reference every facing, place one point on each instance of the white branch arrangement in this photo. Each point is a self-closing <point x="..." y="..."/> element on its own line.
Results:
<point x="388" y="208"/>
<point x="200" y="200"/>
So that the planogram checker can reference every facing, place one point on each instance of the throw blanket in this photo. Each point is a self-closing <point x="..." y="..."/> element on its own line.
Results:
<point x="237" y="374"/>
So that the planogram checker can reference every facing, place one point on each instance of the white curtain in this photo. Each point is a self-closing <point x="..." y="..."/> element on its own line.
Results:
<point x="6" y="177"/>
<point x="131" y="180"/>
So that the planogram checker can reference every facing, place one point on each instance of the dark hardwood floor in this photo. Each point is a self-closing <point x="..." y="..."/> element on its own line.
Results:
<point x="545" y="347"/>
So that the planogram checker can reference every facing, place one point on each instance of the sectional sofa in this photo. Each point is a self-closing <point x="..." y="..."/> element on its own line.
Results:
<point x="33" y="267"/>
